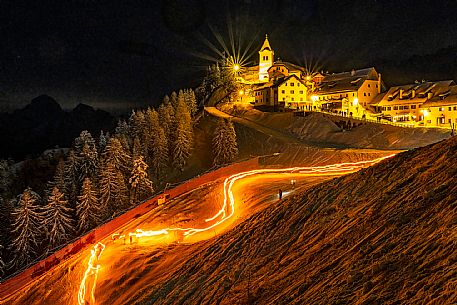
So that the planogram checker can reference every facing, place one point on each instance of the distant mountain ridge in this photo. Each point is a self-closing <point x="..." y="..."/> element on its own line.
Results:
<point x="43" y="124"/>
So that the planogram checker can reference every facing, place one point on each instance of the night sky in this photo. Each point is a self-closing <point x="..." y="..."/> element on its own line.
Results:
<point x="119" y="54"/>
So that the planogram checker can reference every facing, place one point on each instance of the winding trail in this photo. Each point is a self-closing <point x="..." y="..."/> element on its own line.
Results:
<point x="229" y="208"/>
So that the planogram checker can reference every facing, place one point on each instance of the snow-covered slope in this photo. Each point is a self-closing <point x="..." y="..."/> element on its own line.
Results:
<point x="384" y="235"/>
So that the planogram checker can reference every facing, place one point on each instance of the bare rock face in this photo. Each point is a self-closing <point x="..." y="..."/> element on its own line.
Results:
<point x="383" y="235"/>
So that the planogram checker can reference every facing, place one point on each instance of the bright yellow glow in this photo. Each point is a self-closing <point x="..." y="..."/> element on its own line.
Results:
<point x="241" y="92"/>
<point x="225" y="213"/>
<point x="425" y="112"/>
<point x="314" y="98"/>
<point x="355" y="102"/>
<point x="236" y="67"/>
<point x="91" y="271"/>
<point x="308" y="77"/>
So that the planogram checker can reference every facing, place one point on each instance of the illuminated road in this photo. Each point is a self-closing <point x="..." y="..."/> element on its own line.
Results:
<point x="146" y="249"/>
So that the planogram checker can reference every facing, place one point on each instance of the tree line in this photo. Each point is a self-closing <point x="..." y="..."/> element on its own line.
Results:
<point x="98" y="179"/>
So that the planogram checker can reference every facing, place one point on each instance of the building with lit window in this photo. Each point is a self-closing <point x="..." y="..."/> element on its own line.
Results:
<point x="347" y="93"/>
<point x="290" y="91"/>
<point x="419" y="104"/>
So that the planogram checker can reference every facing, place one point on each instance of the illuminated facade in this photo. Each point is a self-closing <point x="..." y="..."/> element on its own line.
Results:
<point x="432" y="104"/>
<point x="290" y="91"/>
<point x="266" y="59"/>
<point x="347" y="93"/>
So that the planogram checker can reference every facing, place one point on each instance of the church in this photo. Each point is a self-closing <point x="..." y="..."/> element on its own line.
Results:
<point x="282" y="86"/>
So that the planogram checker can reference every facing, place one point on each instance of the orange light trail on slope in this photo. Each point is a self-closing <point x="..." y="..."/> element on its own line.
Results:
<point x="229" y="204"/>
<point x="92" y="269"/>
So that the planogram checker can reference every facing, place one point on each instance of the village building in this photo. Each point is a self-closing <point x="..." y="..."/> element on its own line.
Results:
<point x="346" y="93"/>
<point x="280" y="85"/>
<point x="419" y="104"/>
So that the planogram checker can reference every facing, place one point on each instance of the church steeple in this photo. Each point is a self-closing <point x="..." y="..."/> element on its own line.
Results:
<point x="266" y="44"/>
<point x="266" y="58"/>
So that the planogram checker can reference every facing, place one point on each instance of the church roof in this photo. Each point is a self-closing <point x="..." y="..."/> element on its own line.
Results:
<point x="290" y="66"/>
<point x="266" y="45"/>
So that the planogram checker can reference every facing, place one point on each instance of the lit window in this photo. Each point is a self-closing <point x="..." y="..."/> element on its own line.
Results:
<point x="292" y="84"/>
<point x="389" y="108"/>
<point x="395" y="107"/>
<point x="413" y="106"/>
<point x="292" y="99"/>
<point x="283" y="91"/>
<point x="301" y="92"/>
<point x="292" y="92"/>
<point x="441" y="109"/>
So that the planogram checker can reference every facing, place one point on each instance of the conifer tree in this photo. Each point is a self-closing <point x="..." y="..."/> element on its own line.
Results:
<point x="58" y="221"/>
<point x="174" y="99"/>
<point x="116" y="155"/>
<point x="87" y="208"/>
<point x="183" y="139"/>
<point x="225" y="147"/>
<point x="84" y="138"/>
<point x="102" y="141"/>
<point x="232" y="145"/>
<point x="192" y="102"/>
<point x="87" y="163"/>
<point x="136" y="149"/>
<point x="167" y="121"/>
<point x="113" y="191"/>
<point x="158" y="147"/>
<point x="140" y="185"/>
<point x="6" y="210"/>
<point x="27" y="228"/>
<point x="71" y="177"/>
<point x="182" y="147"/>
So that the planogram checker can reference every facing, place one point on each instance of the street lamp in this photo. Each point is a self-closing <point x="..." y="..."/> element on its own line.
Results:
<point x="236" y="67"/>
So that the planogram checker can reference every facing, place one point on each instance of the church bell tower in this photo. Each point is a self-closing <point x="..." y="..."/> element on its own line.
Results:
<point x="266" y="58"/>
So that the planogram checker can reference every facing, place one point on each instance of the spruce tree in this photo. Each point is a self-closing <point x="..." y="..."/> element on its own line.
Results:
<point x="192" y="102"/>
<point x="158" y="147"/>
<point x="87" y="208"/>
<point x="87" y="163"/>
<point x="183" y="139"/>
<point x="182" y="147"/>
<point x="71" y="177"/>
<point x="225" y="148"/>
<point x="27" y="228"/>
<point x="174" y="99"/>
<point x="102" y="141"/>
<point x="140" y="185"/>
<point x="113" y="191"/>
<point x="58" y="219"/>
<point x="116" y="155"/>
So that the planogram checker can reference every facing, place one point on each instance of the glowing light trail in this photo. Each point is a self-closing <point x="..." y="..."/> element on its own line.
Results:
<point x="92" y="270"/>
<point x="227" y="210"/>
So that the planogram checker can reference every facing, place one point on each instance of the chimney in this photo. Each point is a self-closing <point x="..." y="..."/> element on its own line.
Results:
<point x="353" y="72"/>
<point x="379" y="83"/>
<point x="400" y="96"/>
<point x="429" y="95"/>
<point x="413" y="93"/>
